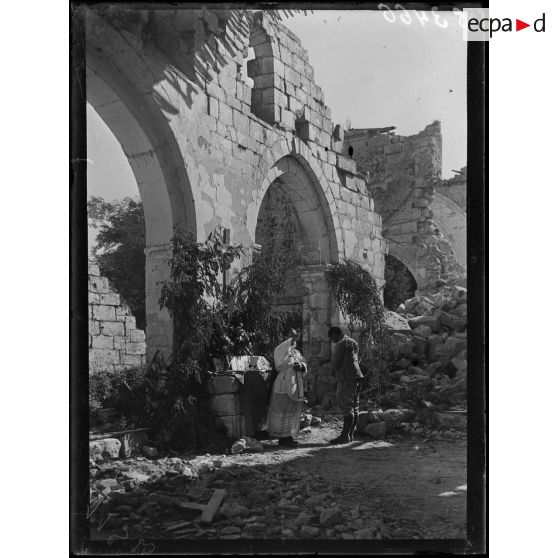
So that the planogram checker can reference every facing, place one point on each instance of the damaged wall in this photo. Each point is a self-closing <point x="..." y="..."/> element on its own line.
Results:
<point x="205" y="145"/>
<point x="115" y="343"/>
<point x="402" y="174"/>
<point x="455" y="188"/>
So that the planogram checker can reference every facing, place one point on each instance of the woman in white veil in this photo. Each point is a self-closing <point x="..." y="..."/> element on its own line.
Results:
<point x="287" y="395"/>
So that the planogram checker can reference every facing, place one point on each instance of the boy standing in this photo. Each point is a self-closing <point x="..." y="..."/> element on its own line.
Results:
<point x="346" y="369"/>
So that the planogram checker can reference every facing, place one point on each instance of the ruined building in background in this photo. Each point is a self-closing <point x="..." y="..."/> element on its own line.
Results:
<point x="222" y="123"/>
<point x="424" y="229"/>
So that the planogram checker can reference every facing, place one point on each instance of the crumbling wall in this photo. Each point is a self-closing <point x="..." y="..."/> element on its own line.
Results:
<point x="402" y="174"/>
<point x="218" y="144"/>
<point x="455" y="188"/>
<point x="451" y="221"/>
<point x="115" y="343"/>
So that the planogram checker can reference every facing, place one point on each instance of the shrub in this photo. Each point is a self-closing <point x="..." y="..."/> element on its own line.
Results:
<point x="125" y="392"/>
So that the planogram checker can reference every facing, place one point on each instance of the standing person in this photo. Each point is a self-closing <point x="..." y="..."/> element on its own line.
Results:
<point x="348" y="375"/>
<point x="287" y="396"/>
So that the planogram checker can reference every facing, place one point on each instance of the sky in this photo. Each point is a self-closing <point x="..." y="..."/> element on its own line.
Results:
<point x="373" y="72"/>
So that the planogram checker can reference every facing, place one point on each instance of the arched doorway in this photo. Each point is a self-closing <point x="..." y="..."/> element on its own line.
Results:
<point x="294" y="213"/>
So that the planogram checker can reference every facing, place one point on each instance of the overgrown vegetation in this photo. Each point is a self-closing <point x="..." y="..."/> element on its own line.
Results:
<point x="357" y="295"/>
<point x="213" y="321"/>
<point x="119" y="248"/>
<point x="125" y="392"/>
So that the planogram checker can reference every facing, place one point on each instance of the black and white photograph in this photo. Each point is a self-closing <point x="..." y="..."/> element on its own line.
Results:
<point x="278" y="229"/>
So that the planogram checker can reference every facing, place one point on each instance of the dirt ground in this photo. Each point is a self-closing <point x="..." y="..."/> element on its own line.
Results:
<point x="404" y="487"/>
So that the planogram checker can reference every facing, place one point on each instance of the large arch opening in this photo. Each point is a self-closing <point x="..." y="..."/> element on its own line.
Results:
<point x="294" y="214"/>
<point x="154" y="158"/>
<point x="116" y="221"/>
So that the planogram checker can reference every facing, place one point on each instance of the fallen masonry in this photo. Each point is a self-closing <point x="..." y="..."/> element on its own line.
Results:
<point x="314" y="491"/>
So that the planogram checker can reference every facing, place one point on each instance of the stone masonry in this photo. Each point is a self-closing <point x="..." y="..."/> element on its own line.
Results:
<point x="206" y="145"/>
<point x="402" y="174"/>
<point x="115" y="343"/>
<point x="455" y="188"/>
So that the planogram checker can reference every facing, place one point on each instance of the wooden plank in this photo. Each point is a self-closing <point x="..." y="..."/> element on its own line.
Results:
<point x="191" y="506"/>
<point x="180" y="525"/>
<point x="213" y="505"/>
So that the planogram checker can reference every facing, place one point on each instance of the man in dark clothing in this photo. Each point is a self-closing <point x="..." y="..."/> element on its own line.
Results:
<point x="348" y="375"/>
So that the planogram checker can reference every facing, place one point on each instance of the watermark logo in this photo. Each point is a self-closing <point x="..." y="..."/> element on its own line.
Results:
<point x="479" y="26"/>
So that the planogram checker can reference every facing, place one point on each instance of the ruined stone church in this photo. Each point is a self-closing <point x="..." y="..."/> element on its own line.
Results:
<point x="222" y="123"/>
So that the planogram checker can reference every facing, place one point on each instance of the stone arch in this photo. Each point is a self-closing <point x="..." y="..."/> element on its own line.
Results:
<point x="408" y="257"/>
<point x="294" y="159"/>
<point x="451" y="220"/>
<point x="304" y="184"/>
<point x="142" y="130"/>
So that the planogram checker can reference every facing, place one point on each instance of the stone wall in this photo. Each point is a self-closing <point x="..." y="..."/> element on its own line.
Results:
<point x="206" y="147"/>
<point x="451" y="221"/>
<point x="455" y="188"/>
<point x="114" y="341"/>
<point x="402" y="174"/>
<point x="450" y="207"/>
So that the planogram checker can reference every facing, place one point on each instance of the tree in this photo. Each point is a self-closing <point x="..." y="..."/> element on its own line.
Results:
<point x="359" y="300"/>
<point x="119" y="249"/>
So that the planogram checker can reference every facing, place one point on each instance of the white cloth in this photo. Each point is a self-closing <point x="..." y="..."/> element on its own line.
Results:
<point x="289" y="380"/>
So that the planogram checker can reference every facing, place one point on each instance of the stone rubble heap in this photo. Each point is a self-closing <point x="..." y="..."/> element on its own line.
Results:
<point x="144" y="496"/>
<point x="425" y="391"/>
<point x="434" y="357"/>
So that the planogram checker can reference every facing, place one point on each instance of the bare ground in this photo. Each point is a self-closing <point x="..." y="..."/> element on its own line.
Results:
<point x="402" y="488"/>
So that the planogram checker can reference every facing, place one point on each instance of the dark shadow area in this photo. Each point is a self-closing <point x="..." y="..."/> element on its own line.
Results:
<point x="400" y="283"/>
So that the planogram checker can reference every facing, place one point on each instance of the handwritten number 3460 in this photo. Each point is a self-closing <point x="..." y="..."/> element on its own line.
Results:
<point x="405" y="15"/>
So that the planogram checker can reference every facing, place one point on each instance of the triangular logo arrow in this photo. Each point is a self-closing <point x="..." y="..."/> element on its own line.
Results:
<point x="519" y="25"/>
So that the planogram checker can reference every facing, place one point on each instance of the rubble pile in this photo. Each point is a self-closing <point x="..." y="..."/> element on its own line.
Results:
<point x="427" y="382"/>
<point x="151" y="498"/>
<point x="432" y="360"/>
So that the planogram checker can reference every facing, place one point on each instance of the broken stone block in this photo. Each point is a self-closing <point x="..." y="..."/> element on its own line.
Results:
<point x="309" y="532"/>
<point x="432" y="368"/>
<point x="460" y="311"/>
<point x="453" y="322"/>
<point x="420" y="344"/>
<point x="424" y="331"/>
<point x="375" y="415"/>
<point x="331" y="517"/>
<point x="363" y="419"/>
<point x="431" y="321"/>
<point x="376" y="430"/>
<point x="109" y="448"/>
<point x="460" y="293"/>
<point x="459" y="363"/>
<point x="395" y="322"/>
<point x="453" y="345"/>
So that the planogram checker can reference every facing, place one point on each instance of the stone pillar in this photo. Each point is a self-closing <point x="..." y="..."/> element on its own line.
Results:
<point x="319" y="313"/>
<point x="159" y="330"/>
